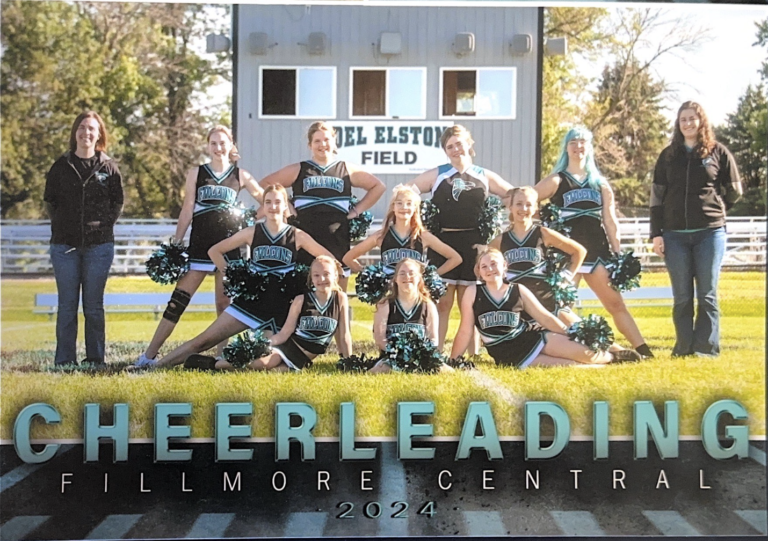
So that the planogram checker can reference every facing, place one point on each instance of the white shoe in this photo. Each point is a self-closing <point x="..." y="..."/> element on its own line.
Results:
<point x="145" y="362"/>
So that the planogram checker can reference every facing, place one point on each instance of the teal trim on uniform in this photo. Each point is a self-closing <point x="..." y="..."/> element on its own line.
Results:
<point x="407" y="315"/>
<point x="323" y="169"/>
<point x="520" y="242"/>
<point x="688" y="230"/>
<point x="280" y="234"/>
<point x="316" y="301"/>
<point x="306" y="201"/>
<point x="495" y="340"/>
<point x="218" y="178"/>
<point x="400" y="241"/>
<point x="496" y="303"/>
<point x="580" y="184"/>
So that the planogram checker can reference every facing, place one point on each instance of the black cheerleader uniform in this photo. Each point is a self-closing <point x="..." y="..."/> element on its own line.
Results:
<point x="509" y="339"/>
<point x="526" y="264"/>
<point x="321" y="196"/>
<point x="394" y="250"/>
<point x="582" y="211"/>
<point x="314" y="330"/>
<point x="459" y="197"/>
<point x="212" y="221"/>
<point x="399" y="320"/>
<point x="277" y="256"/>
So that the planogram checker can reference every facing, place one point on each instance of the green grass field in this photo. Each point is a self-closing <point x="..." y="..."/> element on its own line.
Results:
<point x="28" y="342"/>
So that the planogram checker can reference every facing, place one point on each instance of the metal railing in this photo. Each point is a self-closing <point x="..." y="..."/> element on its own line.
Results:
<point x="24" y="243"/>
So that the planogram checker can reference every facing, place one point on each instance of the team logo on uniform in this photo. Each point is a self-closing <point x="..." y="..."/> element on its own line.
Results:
<point x="582" y="194"/>
<point x="318" y="323"/>
<point x="216" y="193"/>
<point x="498" y="318"/>
<point x="394" y="256"/>
<point x="272" y="253"/>
<point x="101" y="177"/>
<point x="397" y="328"/>
<point x="329" y="183"/>
<point x="516" y="255"/>
<point x="459" y="186"/>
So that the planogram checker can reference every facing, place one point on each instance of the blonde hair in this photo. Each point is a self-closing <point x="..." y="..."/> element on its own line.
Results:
<point x="416" y="226"/>
<point x="422" y="290"/>
<point x="528" y="191"/>
<point x="459" y="131"/>
<point x="321" y="126"/>
<point x="234" y="155"/>
<point x="489" y="252"/>
<point x="278" y="188"/>
<point x="330" y="261"/>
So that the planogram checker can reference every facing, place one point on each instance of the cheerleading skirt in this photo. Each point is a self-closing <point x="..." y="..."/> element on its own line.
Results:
<point x="591" y="235"/>
<point x="267" y="313"/>
<point x="200" y="241"/>
<point x="292" y="355"/>
<point x="333" y="235"/>
<point x="463" y="242"/>
<point x="520" y="351"/>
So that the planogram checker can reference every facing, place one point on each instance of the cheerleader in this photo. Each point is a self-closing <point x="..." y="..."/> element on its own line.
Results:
<point x="313" y="320"/>
<point x="458" y="190"/>
<point x="588" y="208"/>
<point x="403" y="236"/>
<point x="495" y="308"/>
<point x="408" y="307"/>
<point x="210" y="194"/>
<point x="523" y="246"/>
<point x="274" y="245"/>
<point x="322" y="190"/>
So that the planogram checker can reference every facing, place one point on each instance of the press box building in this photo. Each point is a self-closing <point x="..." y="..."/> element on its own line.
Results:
<point x="390" y="78"/>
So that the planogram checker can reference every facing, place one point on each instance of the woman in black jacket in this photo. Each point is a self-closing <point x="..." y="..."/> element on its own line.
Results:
<point x="694" y="183"/>
<point x="84" y="198"/>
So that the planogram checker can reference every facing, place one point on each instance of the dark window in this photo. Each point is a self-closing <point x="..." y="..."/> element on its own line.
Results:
<point x="278" y="92"/>
<point x="369" y="93"/>
<point x="459" y="89"/>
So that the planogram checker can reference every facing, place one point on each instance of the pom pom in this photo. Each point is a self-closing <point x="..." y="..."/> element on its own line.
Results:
<point x="491" y="218"/>
<point x="359" y="225"/>
<point x="624" y="270"/>
<point x="294" y="283"/>
<point x="563" y="290"/>
<point x="249" y="217"/>
<point x="461" y="363"/>
<point x="551" y="217"/>
<point x="356" y="363"/>
<point x="409" y="352"/>
<point x="429" y="216"/>
<point x="555" y="260"/>
<point x="434" y="283"/>
<point x="294" y="221"/>
<point x="592" y="331"/>
<point x="372" y="284"/>
<point x="242" y="281"/>
<point x="246" y="347"/>
<point x="168" y="263"/>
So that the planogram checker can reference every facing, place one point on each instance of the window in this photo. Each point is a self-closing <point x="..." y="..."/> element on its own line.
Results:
<point x="388" y="93"/>
<point x="478" y="92"/>
<point x="298" y="92"/>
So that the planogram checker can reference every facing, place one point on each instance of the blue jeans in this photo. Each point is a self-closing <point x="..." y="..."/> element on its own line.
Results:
<point x="695" y="257"/>
<point x="76" y="268"/>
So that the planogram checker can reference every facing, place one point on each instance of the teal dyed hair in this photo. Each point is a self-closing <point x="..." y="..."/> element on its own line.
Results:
<point x="593" y="173"/>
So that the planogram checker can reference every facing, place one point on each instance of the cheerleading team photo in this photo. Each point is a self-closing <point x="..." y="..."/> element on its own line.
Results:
<point x="374" y="290"/>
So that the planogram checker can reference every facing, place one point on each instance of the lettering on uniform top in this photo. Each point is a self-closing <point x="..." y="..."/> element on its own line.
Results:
<point x="397" y="328"/>
<point x="582" y="194"/>
<point x="272" y="253"/>
<point x="516" y="255"/>
<point x="217" y="193"/>
<point x="330" y="183"/>
<point x="317" y="323"/>
<point x="498" y="319"/>
<point x="395" y="255"/>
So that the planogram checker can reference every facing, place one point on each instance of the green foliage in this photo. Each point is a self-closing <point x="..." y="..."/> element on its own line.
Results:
<point x="752" y="203"/>
<point x="630" y="192"/>
<point x="746" y="136"/>
<point x="762" y="41"/>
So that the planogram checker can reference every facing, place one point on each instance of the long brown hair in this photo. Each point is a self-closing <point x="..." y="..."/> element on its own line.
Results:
<point x="234" y="155"/>
<point x="705" y="136"/>
<point x="416" y="226"/>
<point x="422" y="290"/>
<point x="321" y="126"/>
<point x="279" y="188"/>
<point x="103" y="140"/>
<point x="459" y="131"/>
<point x="331" y="261"/>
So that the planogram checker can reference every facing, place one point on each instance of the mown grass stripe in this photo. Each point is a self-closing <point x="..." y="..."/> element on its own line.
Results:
<point x="577" y="523"/>
<point x="310" y="524"/>
<point x="210" y="525"/>
<point x="25" y="470"/>
<point x="670" y="523"/>
<point x="114" y="527"/>
<point x="487" y="523"/>
<point x="19" y="527"/>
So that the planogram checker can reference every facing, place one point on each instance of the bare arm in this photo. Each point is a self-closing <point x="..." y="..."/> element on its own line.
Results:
<point x="467" y="325"/>
<point x="452" y="257"/>
<point x="533" y="307"/>
<point x="306" y="242"/>
<point x="360" y="249"/>
<point x="343" y="336"/>
<point x="254" y="188"/>
<point x="569" y="246"/>
<point x="188" y="207"/>
<point x="496" y="184"/>
<point x="547" y="187"/>
<point x="374" y="189"/>
<point x="217" y="251"/>
<point x="285" y="176"/>
<point x="610" y="222"/>
<point x="380" y="325"/>
<point x="290" y="322"/>
<point x="425" y="181"/>
<point x="432" y="322"/>
<point x="496" y="242"/>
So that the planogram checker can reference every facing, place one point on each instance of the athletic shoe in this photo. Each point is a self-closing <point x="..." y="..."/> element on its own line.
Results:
<point x="626" y="356"/>
<point x="145" y="362"/>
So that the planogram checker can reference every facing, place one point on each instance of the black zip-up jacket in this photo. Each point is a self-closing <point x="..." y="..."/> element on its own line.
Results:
<point x="75" y="201"/>
<point x="690" y="192"/>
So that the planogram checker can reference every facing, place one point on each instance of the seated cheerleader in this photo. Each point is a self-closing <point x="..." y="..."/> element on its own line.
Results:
<point x="523" y="246"/>
<point x="274" y="245"/>
<point x="314" y="318"/>
<point x="403" y="236"/>
<point x="408" y="307"/>
<point x="495" y="308"/>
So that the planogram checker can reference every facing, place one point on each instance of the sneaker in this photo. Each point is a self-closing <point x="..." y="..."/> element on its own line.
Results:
<point x="626" y="356"/>
<point x="145" y="362"/>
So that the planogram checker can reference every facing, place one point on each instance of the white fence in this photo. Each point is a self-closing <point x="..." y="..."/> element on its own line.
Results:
<point x="24" y="243"/>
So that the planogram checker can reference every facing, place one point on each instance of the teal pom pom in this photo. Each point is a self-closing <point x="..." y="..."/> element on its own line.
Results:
<point x="294" y="283"/>
<point x="592" y="331"/>
<point x="359" y="225"/>
<point x="461" y="363"/>
<point x="563" y="290"/>
<point x="624" y="270"/>
<point x="409" y="352"/>
<point x="491" y="219"/>
<point x="434" y="283"/>
<point x="356" y="363"/>
<point x="168" y="263"/>
<point x="430" y="216"/>
<point x="551" y="218"/>
<point x="372" y="284"/>
<point x="246" y="347"/>
<point x="242" y="281"/>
